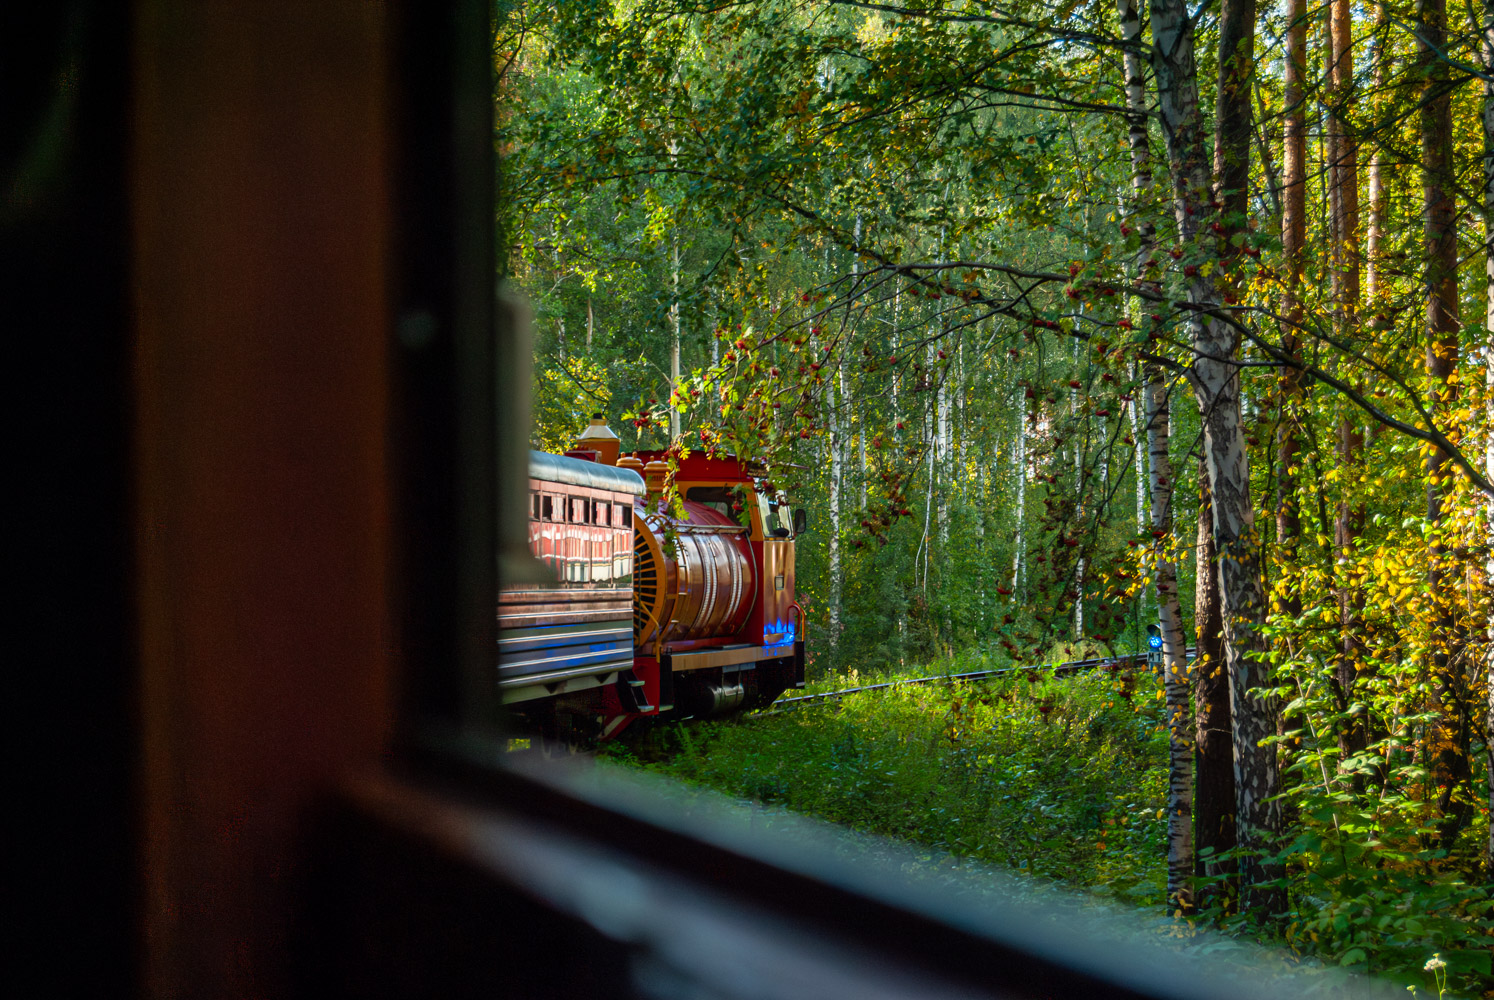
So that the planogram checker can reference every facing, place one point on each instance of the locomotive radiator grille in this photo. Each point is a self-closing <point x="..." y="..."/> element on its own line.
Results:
<point x="646" y="571"/>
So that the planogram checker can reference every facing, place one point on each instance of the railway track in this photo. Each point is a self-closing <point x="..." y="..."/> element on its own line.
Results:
<point x="1130" y="661"/>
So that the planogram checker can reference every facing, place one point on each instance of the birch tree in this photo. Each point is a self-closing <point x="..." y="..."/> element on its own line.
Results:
<point x="1216" y="386"/>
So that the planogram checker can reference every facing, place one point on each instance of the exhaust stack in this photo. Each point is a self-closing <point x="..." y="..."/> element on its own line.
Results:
<point x="600" y="439"/>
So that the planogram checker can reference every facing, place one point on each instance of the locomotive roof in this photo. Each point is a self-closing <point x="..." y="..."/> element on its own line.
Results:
<point x="579" y="472"/>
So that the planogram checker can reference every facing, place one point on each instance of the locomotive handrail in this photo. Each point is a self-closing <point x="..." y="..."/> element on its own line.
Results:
<point x="802" y="627"/>
<point x="1067" y="667"/>
<point x="686" y="528"/>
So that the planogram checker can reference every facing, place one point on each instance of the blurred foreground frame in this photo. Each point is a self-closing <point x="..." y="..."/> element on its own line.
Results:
<point x="284" y="778"/>
<point x="462" y="875"/>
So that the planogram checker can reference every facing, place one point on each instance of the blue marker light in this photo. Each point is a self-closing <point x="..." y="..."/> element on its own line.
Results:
<point x="1154" y="636"/>
<point x="783" y="631"/>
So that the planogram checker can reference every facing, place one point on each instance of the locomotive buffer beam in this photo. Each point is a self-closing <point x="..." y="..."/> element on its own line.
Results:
<point x="737" y="656"/>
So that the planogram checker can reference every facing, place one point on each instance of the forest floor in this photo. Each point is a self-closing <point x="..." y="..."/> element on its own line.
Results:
<point x="1060" y="781"/>
<point x="1062" y="778"/>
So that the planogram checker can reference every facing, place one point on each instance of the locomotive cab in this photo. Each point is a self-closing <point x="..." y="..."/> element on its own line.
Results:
<point x="716" y="624"/>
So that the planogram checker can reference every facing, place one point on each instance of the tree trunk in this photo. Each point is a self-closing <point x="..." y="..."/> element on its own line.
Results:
<point x="1021" y="467"/>
<point x="959" y="414"/>
<point x="1375" y="235"/>
<point x="1217" y="388"/>
<point x="674" y="343"/>
<point x="942" y="448"/>
<point x="1348" y="521"/>
<point x="896" y="378"/>
<point x="1488" y="124"/>
<point x="1439" y="216"/>
<point x="1180" y="858"/>
<point x="1293" y="240"/>
<point x="1175" y="680"/>
<point x="837" y="571"/>
<point x="1139" y="451"/>
<point x="1141" y="188"/>
<point x="861" y="449"/>
<point x="1214" y="795"/>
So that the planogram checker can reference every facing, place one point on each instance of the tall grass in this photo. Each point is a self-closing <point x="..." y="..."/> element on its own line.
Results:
<point x="1060" y="778"/>
<point x="1063" y="779"/>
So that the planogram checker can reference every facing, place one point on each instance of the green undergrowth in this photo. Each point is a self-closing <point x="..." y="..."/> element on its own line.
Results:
<point x="1062" y="778"/>
<point x="1065" y="779"/>
<point x="958" y="663"/>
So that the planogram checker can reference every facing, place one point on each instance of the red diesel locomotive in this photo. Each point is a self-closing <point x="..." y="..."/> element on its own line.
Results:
<point x="650" y="614"/>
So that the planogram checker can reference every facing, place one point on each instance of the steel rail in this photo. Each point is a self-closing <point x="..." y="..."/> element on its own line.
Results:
<point x="1131" y="660"/>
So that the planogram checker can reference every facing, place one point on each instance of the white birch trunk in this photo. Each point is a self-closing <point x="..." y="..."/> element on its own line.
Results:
<point x="1079" y="599"/>
<point x="1377" y="194"/>
<point x="1176" y="689"/>
<point x="674" y="345"/>
<point x="897" y="402"/>
<point x="928" y="513"/>
<point x="1217" y="390"/>
<point x="1021" y="465"/>
<point x="1176" y="685"/>
<point x="1137" y="139"/>
<point x="1139" y="452"/>
<point x="861" y="448"/>
<point x="836" y="570"/>
<point x="941" y="400"/>
<point x="960" y="403"/>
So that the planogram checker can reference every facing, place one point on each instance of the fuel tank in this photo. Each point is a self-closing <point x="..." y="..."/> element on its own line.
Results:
<point x="692" y="577"/>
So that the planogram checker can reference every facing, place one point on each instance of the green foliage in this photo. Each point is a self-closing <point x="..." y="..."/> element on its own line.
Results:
<point x="1065" y="779"/>
<point x="1376" y="885"/>
<point x="1038" y="775"/>
<point x="758" y="172"/>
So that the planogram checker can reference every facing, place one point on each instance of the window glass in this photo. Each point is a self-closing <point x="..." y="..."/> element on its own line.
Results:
<point x="718" y="498"/>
